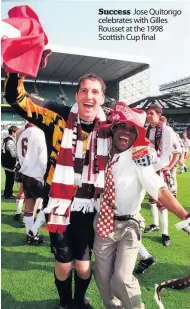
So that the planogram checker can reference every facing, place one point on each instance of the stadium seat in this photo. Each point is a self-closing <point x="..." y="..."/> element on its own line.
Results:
<point x="70" y="94"/>
<point x="48" y="91"/>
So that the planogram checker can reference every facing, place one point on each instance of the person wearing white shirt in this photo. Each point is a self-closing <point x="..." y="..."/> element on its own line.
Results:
<point x="186" y="144"/>
<point x="171" y="172"/>
<point x="32" y="156"/>
<point x="147" y="259"/>
<point x="118" y="223"/>
<point x="163" y="139"/>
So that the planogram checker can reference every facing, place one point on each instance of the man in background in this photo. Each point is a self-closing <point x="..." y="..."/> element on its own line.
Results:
<point x="32" y="156"/>
<point x="186" y="143"/>
<point x="162" y="139"/>
<point x="18" y="180"/>
<point x="8" y="161"/>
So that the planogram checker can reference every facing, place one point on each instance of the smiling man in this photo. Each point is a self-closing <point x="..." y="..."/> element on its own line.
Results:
<point x="118" y="222"/>
<point x="76" y="156"/>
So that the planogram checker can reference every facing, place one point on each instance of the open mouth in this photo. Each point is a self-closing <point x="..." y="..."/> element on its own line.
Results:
<point x="124" y="138"/>
<point x="88" y="105"/>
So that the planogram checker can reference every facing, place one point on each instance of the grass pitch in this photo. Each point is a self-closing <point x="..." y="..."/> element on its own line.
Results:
<point x="27" y="271"/>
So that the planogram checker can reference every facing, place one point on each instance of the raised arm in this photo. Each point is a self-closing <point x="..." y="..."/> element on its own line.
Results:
<point x="37" y="111"/>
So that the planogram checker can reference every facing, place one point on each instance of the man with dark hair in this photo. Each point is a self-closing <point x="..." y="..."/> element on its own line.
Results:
<point x="8" y="161"/>
<point x="163" y="140"/>
<point x="92" y="77"/>
<point x="74" y="177"/>
<point x="175" y="156"/>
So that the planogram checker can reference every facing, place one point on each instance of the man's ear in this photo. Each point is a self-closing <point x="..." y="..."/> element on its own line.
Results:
<point x="76" y="94"/>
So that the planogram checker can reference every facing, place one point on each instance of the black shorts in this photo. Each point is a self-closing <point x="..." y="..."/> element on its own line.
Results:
<point x="32" y="188"/>
<point x="76" y="242"/>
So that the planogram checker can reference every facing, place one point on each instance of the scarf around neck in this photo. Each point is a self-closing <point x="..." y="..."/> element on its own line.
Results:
<point x="75" y="169"/>
<point x="158" y="135"/>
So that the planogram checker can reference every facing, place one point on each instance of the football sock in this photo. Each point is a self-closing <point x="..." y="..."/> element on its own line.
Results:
<point x="19" y="203"/>
<point x="164" y="220"/>
<point x="81" y="286"/>
<point x="38" y="223"/>
<point x="28" y="220"/>
<point x="143" y="252"/>
<point x="155" y="215"/>
<point x="64" y="289"/>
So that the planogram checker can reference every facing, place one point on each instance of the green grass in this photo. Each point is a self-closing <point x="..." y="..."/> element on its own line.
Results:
<point x="27" y="271"/>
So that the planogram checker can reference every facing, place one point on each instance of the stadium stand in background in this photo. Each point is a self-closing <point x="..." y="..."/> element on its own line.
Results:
<point x="126" y="77"/>
<point x="58" y="80"/>
<point x="175" y="101"/>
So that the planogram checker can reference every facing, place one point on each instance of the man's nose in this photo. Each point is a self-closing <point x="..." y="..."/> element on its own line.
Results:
<point x="89" y="94"/>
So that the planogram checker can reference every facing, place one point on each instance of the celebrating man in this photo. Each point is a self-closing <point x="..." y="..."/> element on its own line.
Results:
<point x="77" y="154"/>
<point x="118" y="222"/>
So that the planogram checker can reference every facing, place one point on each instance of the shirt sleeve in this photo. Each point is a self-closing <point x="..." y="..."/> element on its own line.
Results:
<point x="176" y="143"/>
<point x="27" y="106"/>
<point x="169" y="145"/>
<point x="149" y="180"/>
<point x="11" y="146"/>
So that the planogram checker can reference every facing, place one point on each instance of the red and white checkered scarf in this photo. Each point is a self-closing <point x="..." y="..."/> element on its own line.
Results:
<point x="74" y="170"/>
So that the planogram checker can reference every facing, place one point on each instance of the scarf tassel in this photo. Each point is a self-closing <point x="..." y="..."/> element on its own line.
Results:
<point x="84" y="206"/>
<point x="60" y="205"/>
<point x="54" y="228"/>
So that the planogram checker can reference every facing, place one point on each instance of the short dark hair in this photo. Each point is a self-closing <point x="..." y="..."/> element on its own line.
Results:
<point x="156" y="108"/>
<point x="12" y="129"/>
<point x="91" y="76"/>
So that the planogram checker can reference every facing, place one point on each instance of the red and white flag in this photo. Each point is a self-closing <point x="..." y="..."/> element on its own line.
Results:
<point x="23" y="41"/>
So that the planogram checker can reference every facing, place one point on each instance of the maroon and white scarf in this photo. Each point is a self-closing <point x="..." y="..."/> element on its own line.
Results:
<point x="158" y="135"/>
<point x="77" y="170"/>
<point x="177" y="284"/>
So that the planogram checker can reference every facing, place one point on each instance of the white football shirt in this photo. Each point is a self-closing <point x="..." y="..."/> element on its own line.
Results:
<point x="32" y="153"/>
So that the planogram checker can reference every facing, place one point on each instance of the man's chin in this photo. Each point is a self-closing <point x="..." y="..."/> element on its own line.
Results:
<point x="122" y="149"/>
<point x="88" y="116"/>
